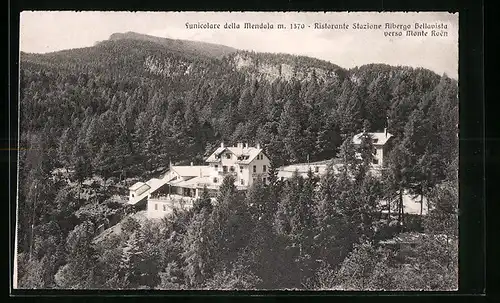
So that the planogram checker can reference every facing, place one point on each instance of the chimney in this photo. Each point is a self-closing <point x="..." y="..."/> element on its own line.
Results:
<point x="385" y="131"/>
<point x="240" y="145"/>
<point x="246" y="145"/>
<point x="222" y="144"/>
<point x="191" y="163"/>
<point x="258" y="145"/>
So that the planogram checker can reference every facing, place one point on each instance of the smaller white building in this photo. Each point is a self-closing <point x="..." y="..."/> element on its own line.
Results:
<point x="160" y="205"/>
<point x="137" y="190"/>
<point x="381" y="142"/>
<point x="302" y="169"/>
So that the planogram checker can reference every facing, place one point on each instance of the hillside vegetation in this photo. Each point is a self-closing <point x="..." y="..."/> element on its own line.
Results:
<point x="128" y="105"/>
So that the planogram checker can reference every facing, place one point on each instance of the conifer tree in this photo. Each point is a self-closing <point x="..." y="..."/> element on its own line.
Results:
<point x="203" y="203"/>
<point x="227" y="189"/>
<point x="357" y="268"/>
<point x="199" y="251"/>
<point x="80" y="269"/>
<point x="130" y="258"/>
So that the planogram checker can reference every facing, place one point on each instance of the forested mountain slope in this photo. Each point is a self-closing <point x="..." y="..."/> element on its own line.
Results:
<point x="130" y="104"/>
<point x="141" y="87"/>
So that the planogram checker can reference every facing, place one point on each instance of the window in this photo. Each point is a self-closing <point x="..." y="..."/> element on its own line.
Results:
<point x="264" y="180"/>
<point x="242" y="182"/>
<point x="133" y="195"/>
<point x="231" y="169"/>
<point x="241" y="169"/>
<point x="228" y="156"/>
<point x="264" y="168"/>
<point x="254" y="180"/>
<point x="316" y="169"/>
<point x="224" y="168"/>
<point x="156" y="206"/>
<point x="164" y="208"/>
<point x="375" y="161"/>
<point x="215" y="180"/>
<point x="216" y="167"/>
<point x="255" y="168"/>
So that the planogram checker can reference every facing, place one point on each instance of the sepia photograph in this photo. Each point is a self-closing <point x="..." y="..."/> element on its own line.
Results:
<point x="312" y="151"/>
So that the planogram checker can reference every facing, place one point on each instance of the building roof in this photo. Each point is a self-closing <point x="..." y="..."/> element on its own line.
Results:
<point x="190" y="171"/>
<point x="201" y="182"/>
<point x="137" y="185"/>
<point x="217" y="152"/>
<point x="302" y="170"/>
<point x="195" y="182"/>
<point x="245" y="154"/>
<point x="304" y="167"/>
<point x="178" y="181"/>
<point x="379" y="139"/>
<point x="154" y="182"/>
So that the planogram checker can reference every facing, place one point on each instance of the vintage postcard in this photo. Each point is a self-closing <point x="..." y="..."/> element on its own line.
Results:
<point x="238" y="151"/>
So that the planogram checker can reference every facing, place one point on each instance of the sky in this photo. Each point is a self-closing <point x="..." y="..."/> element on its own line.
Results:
<point x="43" y="32"/>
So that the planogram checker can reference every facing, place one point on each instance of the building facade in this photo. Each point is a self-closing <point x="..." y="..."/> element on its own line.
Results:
<point x="381" y="142"/>
<point x="245" y="163"/>
<point x="181" y="185"/>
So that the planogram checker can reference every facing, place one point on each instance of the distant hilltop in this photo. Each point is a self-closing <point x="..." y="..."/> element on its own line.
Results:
<point x="200" y="48"/>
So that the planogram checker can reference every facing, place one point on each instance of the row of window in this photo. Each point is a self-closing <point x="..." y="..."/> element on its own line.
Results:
<point x="164" y="207"/>
<point x="225" y="168"/>
<point x="264" y="180"/>
<point x="216" y="180"/>
<point x="232" y="169"/>
<point x="264" y="168"/>
<point x="229" y="156"/>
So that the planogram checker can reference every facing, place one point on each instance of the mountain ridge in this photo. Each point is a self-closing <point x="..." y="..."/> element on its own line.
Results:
<point x="205" y="50"/>
<point x="198" y="47"/>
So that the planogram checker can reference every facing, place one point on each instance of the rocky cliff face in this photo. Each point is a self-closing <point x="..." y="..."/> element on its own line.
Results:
<point x="168" y="67"/>
<point x="270" y="69"/>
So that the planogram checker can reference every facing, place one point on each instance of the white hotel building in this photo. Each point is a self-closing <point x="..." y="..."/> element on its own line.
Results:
<point x="181" y="185"/>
